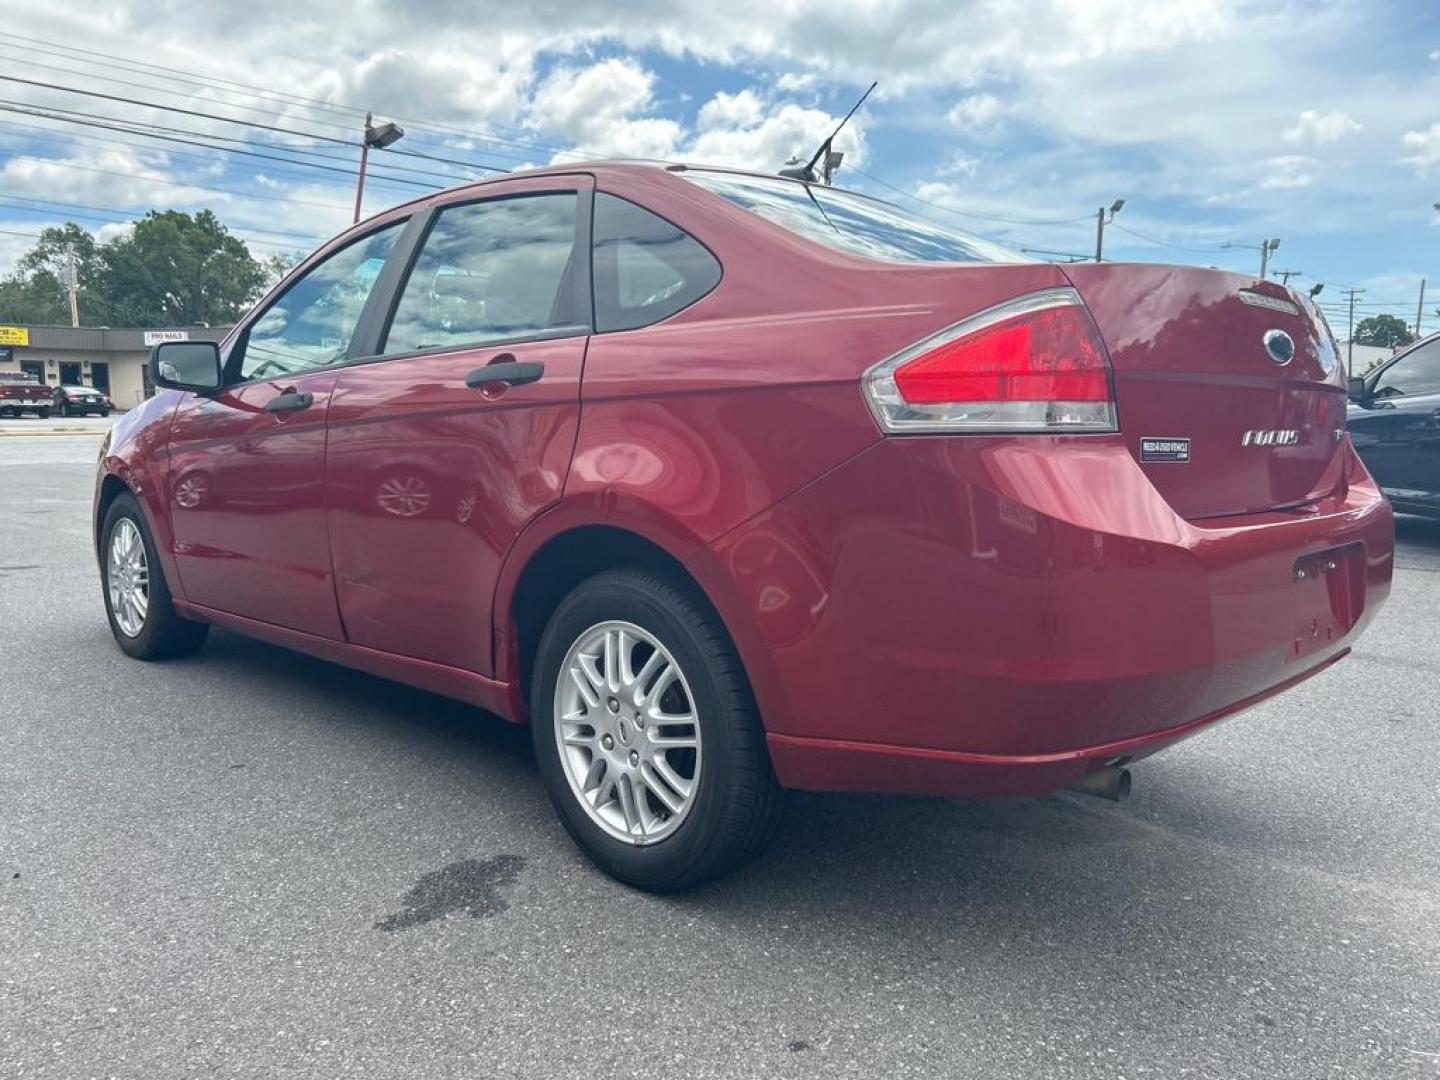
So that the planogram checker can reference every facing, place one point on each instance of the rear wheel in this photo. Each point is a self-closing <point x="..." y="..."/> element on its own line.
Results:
<point x="43" y="414"/>
<point x="647" y="736"/>
<point x="137" y="599"/>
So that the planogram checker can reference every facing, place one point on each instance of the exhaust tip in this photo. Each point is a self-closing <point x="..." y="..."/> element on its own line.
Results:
<point x="1112" y="782"/>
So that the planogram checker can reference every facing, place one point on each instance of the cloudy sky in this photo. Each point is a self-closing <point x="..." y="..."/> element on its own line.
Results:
<point x="1220" y="122"/>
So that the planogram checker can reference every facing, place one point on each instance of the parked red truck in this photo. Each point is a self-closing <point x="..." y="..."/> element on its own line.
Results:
<point x="21" y="392"/>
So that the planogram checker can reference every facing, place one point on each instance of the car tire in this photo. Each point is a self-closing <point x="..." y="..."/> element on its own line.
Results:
<point x="43" y="414"/>
<point x="724" y="801"/>
<point x="156" y="632"/>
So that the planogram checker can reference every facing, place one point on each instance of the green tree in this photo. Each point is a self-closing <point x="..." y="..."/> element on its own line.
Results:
<point x="37" y="291"/>
<point x="1386" y="331"/>
<point x="178" y="269"/>
<point x="172" y="269"/>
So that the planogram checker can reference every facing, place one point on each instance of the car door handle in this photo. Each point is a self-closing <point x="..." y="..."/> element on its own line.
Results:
<point x="290" y="401"/>
<point x="509" y="372"/>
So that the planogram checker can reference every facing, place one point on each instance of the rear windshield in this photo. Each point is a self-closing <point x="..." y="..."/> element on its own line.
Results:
<point x="851" y="223"/>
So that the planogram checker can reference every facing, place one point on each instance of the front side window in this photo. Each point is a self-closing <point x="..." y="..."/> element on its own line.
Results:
<point x="1414" y="374"/>
<point x="496" y="269"/>
<point x="646" y="269"/>
<point x="310" y="325"/>
<point x="849" y="222"/>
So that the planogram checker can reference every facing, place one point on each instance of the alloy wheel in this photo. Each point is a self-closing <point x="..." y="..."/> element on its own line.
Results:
<point x="128" y="578"/>
<point x="627" y="732"/>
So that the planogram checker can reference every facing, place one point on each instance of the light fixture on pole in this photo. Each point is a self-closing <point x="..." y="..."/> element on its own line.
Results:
<point x="1100" y="221"/>
<point x="378" y="137"/>
<point x="1315" y="289"/>
<point x="1267" y="248"/>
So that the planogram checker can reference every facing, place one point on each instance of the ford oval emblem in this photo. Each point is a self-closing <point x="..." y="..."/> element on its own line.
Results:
<point x="1279" y="346"/>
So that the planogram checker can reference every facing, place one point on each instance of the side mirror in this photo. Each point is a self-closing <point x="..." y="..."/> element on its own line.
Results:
<point x="186" y="365"/>
<point x="1357" y="388"/>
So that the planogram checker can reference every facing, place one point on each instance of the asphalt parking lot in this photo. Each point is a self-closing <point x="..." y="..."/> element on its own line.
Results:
<point x="251" y="863"/>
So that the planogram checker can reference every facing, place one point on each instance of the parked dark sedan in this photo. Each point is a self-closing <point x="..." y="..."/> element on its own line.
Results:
<point x="80" y="400"/>
<point x="1394" y="421"/>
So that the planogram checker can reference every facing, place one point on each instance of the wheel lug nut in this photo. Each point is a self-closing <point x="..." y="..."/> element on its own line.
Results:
<point x="612" y="704"/>
<point x="607" y="742"/>
<point x="634" y="758"/>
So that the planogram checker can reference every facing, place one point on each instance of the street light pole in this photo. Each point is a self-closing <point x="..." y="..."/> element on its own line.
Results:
<point x="1267" y="248"/>
<point x="1100" y="227"/>
<point x="378" y="137"/>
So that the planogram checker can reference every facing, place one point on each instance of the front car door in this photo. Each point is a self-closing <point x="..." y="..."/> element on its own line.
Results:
<point x="459" y="430"/>
<point x="247" y="464"/>
<point x="1396" y="429"/>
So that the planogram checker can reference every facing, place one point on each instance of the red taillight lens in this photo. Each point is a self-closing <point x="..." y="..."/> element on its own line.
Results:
<point x="1033" y="364"/>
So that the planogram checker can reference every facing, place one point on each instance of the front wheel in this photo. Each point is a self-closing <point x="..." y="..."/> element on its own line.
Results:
<point x="137" y="599"/>
<point x="647" y="735"/>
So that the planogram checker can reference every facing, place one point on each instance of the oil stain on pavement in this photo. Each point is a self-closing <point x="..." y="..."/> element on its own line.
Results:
<point x="468" y="885"/>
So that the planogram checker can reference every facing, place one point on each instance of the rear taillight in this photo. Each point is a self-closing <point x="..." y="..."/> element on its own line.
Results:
<point x="1032" y="364"/>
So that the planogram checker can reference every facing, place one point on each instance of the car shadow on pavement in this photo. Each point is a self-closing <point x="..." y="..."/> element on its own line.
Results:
<point x="858" y="855"/>
<point x="1421" y="531"/>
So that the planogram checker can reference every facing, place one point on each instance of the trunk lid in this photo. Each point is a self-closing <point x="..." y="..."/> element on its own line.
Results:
<point x="1218" y="425"/>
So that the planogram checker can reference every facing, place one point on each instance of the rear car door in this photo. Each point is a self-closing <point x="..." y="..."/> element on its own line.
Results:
<point x="247" y="464"/>
<point x="460" y="428"/>
<point x="1396" y="429"/>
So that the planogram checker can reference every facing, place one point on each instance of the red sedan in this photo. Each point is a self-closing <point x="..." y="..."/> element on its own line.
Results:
<point x="729" y="484"/>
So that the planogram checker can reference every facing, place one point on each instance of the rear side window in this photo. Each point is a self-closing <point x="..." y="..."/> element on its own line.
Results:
<point x="849" y="222"/>
<point x="487" y="270"/>
<point x="645" y="268"/>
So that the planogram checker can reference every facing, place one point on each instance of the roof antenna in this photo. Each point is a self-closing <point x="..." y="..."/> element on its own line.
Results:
<point x="828" y="160"/>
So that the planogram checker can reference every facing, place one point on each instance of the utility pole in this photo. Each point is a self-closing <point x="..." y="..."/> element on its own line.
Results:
<point x="1267" y="248"/>
<point x="1100" y="227"/>
<point x="1350" y="295"/>
<point x="1286" y="275"/>
<point x="378" y="137"/>
<point x="1420" y="310"/>
<point x="73" y="284"/>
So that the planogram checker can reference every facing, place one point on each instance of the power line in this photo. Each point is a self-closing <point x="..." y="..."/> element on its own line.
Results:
<point x="141" y="127"/>
<point x="254" y="124"/>
<point x="131" y="214"/>
<point x="126" y="64"/>
<point x="967" y="214"/>
<point x="1164" y="243"/>
<point x="70" y="217"/>
<point x="177" y="183"/>
<point x="169" y="154"/>
<point x="75" y="119"/>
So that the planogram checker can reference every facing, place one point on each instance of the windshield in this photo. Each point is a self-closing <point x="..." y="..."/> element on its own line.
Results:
<point x="851" y="223"/>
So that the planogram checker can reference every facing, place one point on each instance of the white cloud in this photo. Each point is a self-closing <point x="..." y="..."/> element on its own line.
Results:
<point x="766" y="139"/>
<point x="976" y="111"/>
<point x="114" y="176"/>
<point x="794" y="82"/>
<point x="744" y="109"/>
<point x="1288" y="171"/>
<point x="1424" y="147"/>
<point x="1320" y="127"/>
<point x="597" y="108"/>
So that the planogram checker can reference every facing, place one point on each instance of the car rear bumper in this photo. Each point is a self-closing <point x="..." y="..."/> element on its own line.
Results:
<point x="999" y="615"/>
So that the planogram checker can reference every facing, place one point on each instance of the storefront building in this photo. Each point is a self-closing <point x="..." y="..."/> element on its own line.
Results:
<point x="112" y="361"/>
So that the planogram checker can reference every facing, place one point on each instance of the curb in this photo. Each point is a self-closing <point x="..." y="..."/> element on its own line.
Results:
<point x="52" y="433"/>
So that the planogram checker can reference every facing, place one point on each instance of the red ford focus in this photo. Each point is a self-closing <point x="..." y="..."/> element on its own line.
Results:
<point x="729" y="484"/>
